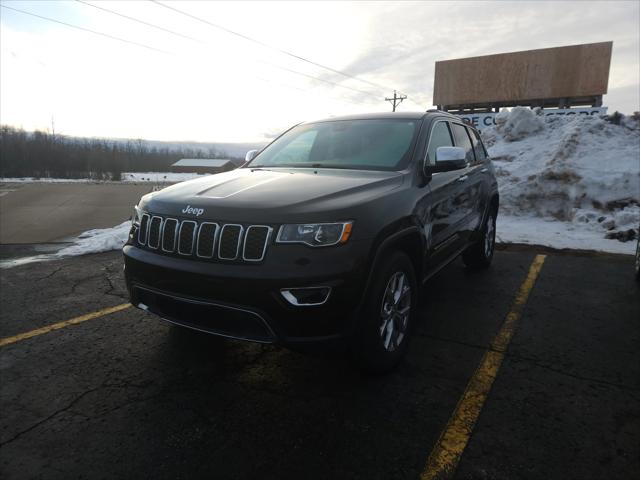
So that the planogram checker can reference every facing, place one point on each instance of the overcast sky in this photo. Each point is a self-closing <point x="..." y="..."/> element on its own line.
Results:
<point x="202" y="83"/>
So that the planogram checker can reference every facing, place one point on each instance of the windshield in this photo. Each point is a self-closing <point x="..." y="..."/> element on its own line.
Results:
<point x="382" y="144"/>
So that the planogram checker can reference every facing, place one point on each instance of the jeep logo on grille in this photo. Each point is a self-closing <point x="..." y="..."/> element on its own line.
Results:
<point x="193" y="211"/>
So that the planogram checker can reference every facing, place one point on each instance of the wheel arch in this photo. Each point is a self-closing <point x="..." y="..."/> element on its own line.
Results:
<point x="409" y="240"/>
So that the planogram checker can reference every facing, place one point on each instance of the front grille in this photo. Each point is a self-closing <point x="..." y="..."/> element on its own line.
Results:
<point x="154" y="232"/>
<point x="187" y="237"/>
<point x="169" y="232"/>
<point x="255" y="242"/>
<point x="229" y="242"/>
<point x="214" y="318"/>
<point x="205" y="240"/>
<point x="144" y="229"/>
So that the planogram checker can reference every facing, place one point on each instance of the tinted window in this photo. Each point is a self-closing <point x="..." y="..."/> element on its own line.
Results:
<point x="440" y="137"/>
<point x="377" y="144"/>
<point x="462" y="140"/>
<point x="298" y="150"/>
<point x="478" y="148"/>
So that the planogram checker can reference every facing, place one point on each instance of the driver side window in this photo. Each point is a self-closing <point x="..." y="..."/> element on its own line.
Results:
<point x="440" y="137"/>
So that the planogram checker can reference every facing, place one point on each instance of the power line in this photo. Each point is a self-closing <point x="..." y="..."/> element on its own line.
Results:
<point x="295" y="72"/>
<point x="112" y="37"/>
<point x="140" y="21"/>
<point x="266" y="45"/>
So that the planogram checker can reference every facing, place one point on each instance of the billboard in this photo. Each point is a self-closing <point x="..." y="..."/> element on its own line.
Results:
<point x="577" y="71"/>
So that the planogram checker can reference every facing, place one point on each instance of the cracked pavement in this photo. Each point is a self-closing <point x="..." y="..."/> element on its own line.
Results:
<point x="126" y="395"/>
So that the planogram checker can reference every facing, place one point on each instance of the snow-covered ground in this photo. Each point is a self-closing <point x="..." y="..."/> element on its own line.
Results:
<point x="566" y="182"/>
<point x="127" y="177"/>
<point x="98" y="240"/>
<point x="158" y="177"/>
<point x="45" y="180"/>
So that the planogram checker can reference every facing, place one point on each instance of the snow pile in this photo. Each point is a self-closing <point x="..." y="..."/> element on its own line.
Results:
<point x="99" y="240"/>
<point x="518" y="123"/>
<point x="580" y="172"/>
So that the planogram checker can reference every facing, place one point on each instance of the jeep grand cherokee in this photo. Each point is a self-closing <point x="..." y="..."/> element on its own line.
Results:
<point x="325" y="235"/>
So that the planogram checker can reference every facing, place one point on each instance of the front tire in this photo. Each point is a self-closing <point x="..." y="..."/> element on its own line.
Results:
<point x="479" y="255"/>
<point x="385" y="325"/>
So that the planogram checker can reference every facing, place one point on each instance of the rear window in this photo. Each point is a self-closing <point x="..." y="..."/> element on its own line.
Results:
<point x="478" y="148"/>
<point x="462" y="140"/>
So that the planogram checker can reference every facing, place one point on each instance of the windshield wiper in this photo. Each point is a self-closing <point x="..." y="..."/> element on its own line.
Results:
<point x="323" y="165"/>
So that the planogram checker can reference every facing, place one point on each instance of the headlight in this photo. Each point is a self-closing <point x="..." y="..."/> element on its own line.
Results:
<point x="137" y="215"/>
<point x="315" y="234"/>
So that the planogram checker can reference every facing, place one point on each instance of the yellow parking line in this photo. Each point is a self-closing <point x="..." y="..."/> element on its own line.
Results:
<point x="445" y="455"/>
<point x="66" y="323"/>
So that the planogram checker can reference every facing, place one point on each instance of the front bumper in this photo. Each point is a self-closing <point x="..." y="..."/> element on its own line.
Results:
<point x="244" y="301"/>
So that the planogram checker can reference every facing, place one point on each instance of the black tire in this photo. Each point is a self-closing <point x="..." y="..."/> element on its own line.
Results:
<point x="380" y="344"/>
<point x="480" y="254"/>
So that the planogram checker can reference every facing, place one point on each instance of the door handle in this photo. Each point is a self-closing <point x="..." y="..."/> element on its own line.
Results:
<point x="463" y="178"/>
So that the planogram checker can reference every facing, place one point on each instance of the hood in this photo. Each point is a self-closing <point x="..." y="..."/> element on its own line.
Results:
<point x="271" y="195"/>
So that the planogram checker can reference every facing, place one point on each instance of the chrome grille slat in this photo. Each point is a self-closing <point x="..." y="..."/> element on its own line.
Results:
<point x="155" y="229"/>
<point x="205" y="235"/>
<point x="143" y="232"/>
<point x="183" y="237"/>
<point x="169" y="235"/>
<point x="204" y="240"/>
<point x="227" y="240"/>
<point x="255" y="244"/>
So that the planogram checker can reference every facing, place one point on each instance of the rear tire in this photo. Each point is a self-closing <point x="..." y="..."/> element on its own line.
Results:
<point x="480" y="254"/>
<point x="385" y="324"/>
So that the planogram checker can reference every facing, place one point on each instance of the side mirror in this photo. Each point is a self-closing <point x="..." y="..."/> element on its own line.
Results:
<point x="250" y="155"/>
<point x="448" y="159"/>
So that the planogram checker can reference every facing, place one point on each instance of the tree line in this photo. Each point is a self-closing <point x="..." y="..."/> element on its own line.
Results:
<point x="47" y="155"/>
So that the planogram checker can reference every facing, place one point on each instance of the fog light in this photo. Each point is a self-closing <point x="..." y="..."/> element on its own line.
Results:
<point x="306" y="296"/>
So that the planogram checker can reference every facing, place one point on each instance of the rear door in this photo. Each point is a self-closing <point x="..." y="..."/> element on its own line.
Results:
<point x="481" y="178"/>
<point x="469" y="184"/>
<point x="445" y="201"/>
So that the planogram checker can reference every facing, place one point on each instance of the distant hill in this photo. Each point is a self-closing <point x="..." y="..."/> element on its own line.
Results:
<point x="44" y="155"/>
<point x="226" y="150"/>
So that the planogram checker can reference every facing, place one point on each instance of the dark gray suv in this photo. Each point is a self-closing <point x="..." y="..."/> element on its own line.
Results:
<point x="323" y="237"/>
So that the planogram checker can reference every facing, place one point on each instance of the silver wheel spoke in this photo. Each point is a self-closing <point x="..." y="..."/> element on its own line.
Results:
<point x="387" y="339"/>
<point x="395" y="310"/>
<point x="399" y="288"/>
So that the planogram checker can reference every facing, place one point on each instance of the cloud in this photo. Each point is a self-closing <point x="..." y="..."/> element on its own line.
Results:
<point x="403" y="48"/>
<point x="227" y="89"/>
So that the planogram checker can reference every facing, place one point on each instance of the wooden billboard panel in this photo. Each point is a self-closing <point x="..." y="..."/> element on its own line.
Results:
<point x="548" y="73"/>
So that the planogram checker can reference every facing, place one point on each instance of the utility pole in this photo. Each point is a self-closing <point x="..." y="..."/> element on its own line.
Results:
<point x="396" y="100"/>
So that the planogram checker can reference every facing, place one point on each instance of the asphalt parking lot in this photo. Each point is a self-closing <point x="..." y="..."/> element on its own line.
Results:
<point x="53" y="212"/>
<point x="123" y="395"/>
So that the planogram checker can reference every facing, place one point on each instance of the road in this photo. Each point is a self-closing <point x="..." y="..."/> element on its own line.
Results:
<point x="123" y="395"/>
<point x="38" y="213"/>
